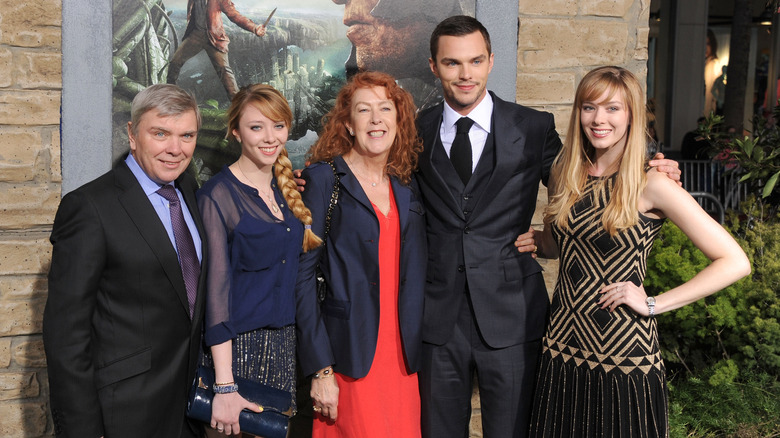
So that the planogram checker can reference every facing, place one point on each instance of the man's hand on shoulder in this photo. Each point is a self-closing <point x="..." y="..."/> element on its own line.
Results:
<point x="298" y="180"/>
<point x="666" y="166"/>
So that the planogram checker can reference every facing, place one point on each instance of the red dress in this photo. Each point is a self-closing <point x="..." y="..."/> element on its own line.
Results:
<point x="386" y="402"/>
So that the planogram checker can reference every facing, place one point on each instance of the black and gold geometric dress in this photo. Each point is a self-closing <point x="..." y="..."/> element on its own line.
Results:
<point x="601" y="373"/>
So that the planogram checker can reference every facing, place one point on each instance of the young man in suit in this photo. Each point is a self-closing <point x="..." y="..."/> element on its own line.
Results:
<point x="485" y="303"/>
<point x="122" y="324"/>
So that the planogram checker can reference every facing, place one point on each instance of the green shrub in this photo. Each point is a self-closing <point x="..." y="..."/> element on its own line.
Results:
<point x="723" y="352"/>
<point x="750" y="408"/>
<point x="756" y="158"/>
<point x="741" y="323"/>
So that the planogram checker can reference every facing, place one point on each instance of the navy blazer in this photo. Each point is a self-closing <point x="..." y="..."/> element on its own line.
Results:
<point x="120" y="345"/>
<point x="472" y="229"/>
<point x="343" y="329"/>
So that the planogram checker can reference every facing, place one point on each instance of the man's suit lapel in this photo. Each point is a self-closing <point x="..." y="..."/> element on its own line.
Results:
<point x="429" y="131"/>
<point x="141" y="212"/>
<point x="509" y="141"/>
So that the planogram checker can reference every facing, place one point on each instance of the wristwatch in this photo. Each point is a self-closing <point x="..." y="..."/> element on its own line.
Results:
<point x="651" y="306"/>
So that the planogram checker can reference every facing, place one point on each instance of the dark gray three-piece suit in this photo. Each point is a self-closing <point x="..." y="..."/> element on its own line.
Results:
<point x="482" y="296"/>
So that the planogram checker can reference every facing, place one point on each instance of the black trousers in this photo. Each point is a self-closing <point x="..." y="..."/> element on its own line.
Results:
<point x="301" y="422"/>
<point x="505" y="376"/>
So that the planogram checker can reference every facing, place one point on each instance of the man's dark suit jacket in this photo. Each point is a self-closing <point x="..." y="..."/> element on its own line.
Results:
<point x="343" y="329"/>
<point x="471" y="230"/>
<point x="120" y="345"/>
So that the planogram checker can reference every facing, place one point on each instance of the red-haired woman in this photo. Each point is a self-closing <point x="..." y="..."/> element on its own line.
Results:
<point x="362" y="342"/>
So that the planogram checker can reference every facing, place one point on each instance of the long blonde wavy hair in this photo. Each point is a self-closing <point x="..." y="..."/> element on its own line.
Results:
<point x="273" y="105"/>
<point x="570" y="169"/>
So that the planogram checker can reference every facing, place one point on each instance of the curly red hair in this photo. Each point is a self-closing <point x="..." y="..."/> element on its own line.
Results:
<point x="334" y="139"/>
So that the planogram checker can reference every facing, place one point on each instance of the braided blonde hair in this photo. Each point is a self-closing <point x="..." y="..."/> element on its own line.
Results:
<point x="273" y="105"/>
<point x="284" y="178"/>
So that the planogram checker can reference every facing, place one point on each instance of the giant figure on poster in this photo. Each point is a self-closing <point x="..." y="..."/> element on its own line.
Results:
<point x="393" y="36"/>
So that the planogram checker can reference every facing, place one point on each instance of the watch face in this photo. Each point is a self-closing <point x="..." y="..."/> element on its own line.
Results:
<point x="650" y="300"/>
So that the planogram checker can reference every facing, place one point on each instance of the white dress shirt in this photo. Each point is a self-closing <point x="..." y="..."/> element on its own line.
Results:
<point x="482" y="114"/>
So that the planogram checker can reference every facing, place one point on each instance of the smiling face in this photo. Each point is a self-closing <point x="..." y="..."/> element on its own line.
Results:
<point x="373" y="119"/>
<point x="605" y="122"/>
<point x="163" y="146"/>
<point x="261" y="138"/>
<point x="463" y="64"/>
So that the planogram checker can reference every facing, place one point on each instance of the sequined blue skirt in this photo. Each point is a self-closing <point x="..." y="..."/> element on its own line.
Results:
<point x="265" y="356"/>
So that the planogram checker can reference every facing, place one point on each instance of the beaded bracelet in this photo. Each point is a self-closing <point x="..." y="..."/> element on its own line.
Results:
<point x="327" y="372"/>
<point x="225" y="388"/>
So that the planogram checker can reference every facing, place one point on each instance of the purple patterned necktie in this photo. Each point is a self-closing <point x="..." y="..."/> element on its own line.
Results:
<point x="188" y="257"/>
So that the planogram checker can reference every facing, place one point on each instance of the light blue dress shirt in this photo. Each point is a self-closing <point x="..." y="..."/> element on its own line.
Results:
<point x="162" y="206"/>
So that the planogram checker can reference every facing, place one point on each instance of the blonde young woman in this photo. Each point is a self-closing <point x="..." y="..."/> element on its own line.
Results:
<point x="601" y="372"/>
<point x="256" y="228"/>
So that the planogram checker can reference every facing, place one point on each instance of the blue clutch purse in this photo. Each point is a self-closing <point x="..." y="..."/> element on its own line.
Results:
<point x="272" y="422"/>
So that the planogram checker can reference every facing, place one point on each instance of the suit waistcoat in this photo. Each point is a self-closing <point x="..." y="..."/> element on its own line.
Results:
<point x="468" y="194"/>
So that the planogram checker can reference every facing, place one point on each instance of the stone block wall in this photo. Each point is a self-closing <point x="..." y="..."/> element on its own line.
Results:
<point x="30" y="178"/>
<point x="559" y="41"/>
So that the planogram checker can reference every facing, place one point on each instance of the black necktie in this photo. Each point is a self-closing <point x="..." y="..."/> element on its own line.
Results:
<point x="460" y="153"/>
<point x="188" y="257"/>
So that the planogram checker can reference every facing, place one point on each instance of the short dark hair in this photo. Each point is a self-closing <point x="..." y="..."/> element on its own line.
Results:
<point x="458" y="25"/>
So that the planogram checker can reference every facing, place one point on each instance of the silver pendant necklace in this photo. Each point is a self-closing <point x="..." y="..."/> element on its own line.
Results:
<point x="360" y="174"/>
<point x="267" y="199"/>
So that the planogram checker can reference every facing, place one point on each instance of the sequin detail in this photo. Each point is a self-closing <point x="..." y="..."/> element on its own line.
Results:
<point x="265" y="356"/>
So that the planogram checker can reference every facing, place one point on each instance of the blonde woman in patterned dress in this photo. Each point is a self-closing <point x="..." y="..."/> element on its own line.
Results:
<point x="601" y="373"/>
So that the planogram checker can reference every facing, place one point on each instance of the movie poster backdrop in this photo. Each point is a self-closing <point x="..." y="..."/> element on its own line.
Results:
<point x="309" y="49"/>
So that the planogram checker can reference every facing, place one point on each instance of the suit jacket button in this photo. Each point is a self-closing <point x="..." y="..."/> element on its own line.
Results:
<point x="466" y="230"/>
<point x="461" y="268"/>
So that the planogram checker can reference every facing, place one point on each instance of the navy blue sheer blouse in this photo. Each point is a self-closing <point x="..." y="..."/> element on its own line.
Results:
<point x="253" y="259"/>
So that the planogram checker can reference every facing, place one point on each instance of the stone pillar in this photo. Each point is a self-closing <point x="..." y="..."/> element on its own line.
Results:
<point x="30" y="179"/>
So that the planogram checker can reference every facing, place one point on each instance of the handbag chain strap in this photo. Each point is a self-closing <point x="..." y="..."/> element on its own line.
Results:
<point x="334" y="199"/>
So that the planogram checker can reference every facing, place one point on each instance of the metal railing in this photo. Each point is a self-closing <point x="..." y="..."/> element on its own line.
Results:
<point x="702" y="177"/>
